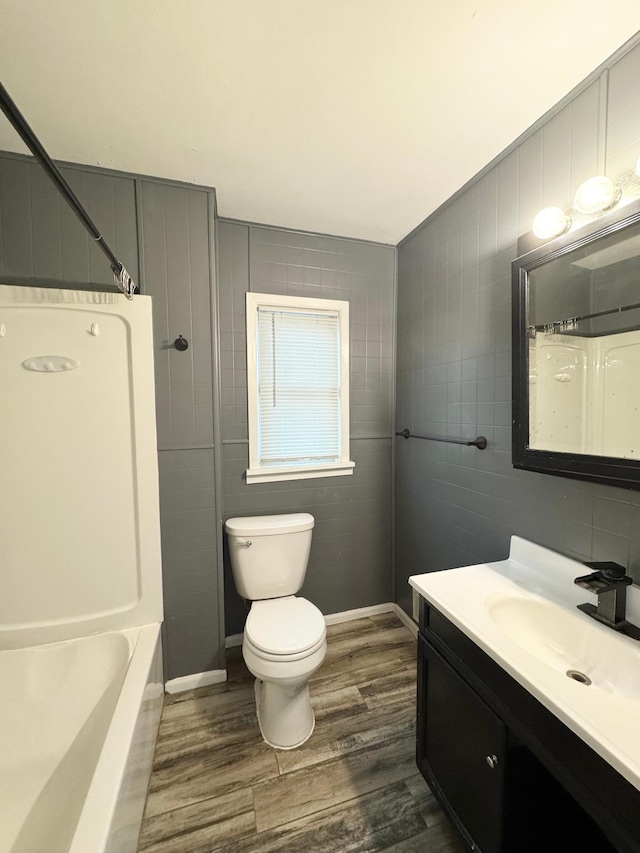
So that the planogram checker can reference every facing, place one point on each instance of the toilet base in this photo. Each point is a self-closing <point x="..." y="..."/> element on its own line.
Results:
<point x="285" y="715"/>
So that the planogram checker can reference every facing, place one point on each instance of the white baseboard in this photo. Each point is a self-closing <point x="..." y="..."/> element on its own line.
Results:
<point x="217" y="676"/>
<point x="198" y="679"/>
<point x="347" y="616"/>
<point x="358" y="613"/>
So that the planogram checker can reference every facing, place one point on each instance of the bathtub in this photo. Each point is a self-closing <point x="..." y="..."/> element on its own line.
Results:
<point x="80" y="574"/>
<point x="78" y="723"/>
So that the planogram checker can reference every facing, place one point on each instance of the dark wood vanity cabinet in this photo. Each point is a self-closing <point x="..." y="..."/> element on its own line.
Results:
<point x="466" y="747"/>
<point x="511" y="777"/>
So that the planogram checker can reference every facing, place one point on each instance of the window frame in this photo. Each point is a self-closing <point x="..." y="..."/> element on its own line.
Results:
<point x="257" y="473"/>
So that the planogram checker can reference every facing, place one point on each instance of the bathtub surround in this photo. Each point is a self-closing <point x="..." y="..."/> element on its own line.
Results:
<point x="602" y="368"/>
<point x="80" y="652"/>
<point x="456" y="506"/>
<point x="83" y="362"/>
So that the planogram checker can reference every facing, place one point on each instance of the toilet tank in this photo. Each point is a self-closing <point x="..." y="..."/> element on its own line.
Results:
<point x="269" y="553"/>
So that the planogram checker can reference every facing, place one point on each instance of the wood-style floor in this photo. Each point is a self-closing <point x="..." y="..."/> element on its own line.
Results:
<point x="353" y="786"/>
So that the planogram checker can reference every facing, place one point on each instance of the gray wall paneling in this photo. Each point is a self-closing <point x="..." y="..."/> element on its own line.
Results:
<point x="457" y="505"/>
<point x="43" y="242"/>
<point x="350" y="563"/>
<point x="175" y="239"/>
<point x="162" y="232"/>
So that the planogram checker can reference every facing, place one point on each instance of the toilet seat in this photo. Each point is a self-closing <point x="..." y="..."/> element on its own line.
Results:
<point x="286" y="628"/>
<point x="286" y="658"/>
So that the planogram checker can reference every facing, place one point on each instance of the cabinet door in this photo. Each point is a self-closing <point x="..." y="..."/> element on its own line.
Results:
<point x="463" y="745"/>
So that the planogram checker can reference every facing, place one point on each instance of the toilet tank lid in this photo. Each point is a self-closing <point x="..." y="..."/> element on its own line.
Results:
<point x="269" y="525"/>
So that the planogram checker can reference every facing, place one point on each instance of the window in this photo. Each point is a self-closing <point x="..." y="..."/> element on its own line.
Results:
<point x="298" y="387"/>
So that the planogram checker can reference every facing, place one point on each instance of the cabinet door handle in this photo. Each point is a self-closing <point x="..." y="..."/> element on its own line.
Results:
<point x="492" y="761"/>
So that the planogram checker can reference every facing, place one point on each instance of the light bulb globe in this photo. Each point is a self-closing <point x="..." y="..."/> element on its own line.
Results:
<point x="596" y="195"/>
<point x="550" y="222"/>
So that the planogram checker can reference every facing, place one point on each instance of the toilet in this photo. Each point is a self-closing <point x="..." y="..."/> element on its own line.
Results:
<point x="284" y="636"/>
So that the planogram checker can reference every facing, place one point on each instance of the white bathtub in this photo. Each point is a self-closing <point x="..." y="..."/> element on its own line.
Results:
<point x="80" y="574"/>
<point x="78" y="723"/>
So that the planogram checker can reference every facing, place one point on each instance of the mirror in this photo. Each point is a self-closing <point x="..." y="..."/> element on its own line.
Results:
<point x="576" y="353"/>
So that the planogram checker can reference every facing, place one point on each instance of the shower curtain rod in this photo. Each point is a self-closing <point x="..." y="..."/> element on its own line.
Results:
<point x="121" y="277"/>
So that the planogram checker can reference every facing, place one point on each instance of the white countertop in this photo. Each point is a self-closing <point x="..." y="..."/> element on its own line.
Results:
<point x="606" y="716"/>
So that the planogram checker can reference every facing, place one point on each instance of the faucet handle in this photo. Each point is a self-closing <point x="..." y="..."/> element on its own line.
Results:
<point x="608" y="570"/>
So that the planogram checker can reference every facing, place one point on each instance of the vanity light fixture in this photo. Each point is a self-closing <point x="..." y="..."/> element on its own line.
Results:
<point x="596" y="195"/>
<point x="551" y="222"/>
<point x="593" y="197"/>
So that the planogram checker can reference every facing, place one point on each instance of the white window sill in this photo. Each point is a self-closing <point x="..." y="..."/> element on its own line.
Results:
<point x="276" y="475"/>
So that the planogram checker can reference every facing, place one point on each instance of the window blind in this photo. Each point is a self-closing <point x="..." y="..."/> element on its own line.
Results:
<point x="298" y="387"/>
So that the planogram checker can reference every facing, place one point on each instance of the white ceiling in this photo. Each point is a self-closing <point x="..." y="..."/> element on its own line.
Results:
<point x="350" y="117"/>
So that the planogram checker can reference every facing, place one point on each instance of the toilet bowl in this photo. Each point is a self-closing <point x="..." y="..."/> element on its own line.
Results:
<point x="284" y="636"/>
<point x="284" y="645"/>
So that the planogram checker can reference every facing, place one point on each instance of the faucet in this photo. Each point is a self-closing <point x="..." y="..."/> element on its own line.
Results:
<point x="609" y="581"/>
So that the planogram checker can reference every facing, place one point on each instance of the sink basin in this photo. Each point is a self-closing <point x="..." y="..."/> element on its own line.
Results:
<point x="592" y="654"/>
<point x="522" y="613"/>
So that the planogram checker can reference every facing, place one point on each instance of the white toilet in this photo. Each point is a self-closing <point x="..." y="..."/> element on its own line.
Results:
<point x="284" y="635"/>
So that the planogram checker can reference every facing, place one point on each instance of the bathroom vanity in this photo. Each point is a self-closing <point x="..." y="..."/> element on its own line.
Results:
<point x="528" y="726"/>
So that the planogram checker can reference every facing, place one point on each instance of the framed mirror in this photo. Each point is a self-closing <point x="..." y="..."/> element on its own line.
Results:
<point x="576" y="353"/>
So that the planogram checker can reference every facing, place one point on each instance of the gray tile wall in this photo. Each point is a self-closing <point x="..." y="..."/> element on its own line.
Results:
<point x="175" y="248"/>
<point x="176" y="261"/>
<point x="161" y="232"/>
<point x="350" y="563"/>
<point x="456" y="505"/>
<point x="192" y="641"/>
<point x="42" y="241"/>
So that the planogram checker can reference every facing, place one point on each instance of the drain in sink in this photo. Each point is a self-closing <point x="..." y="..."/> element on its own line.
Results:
<point x="579" y="676"/>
